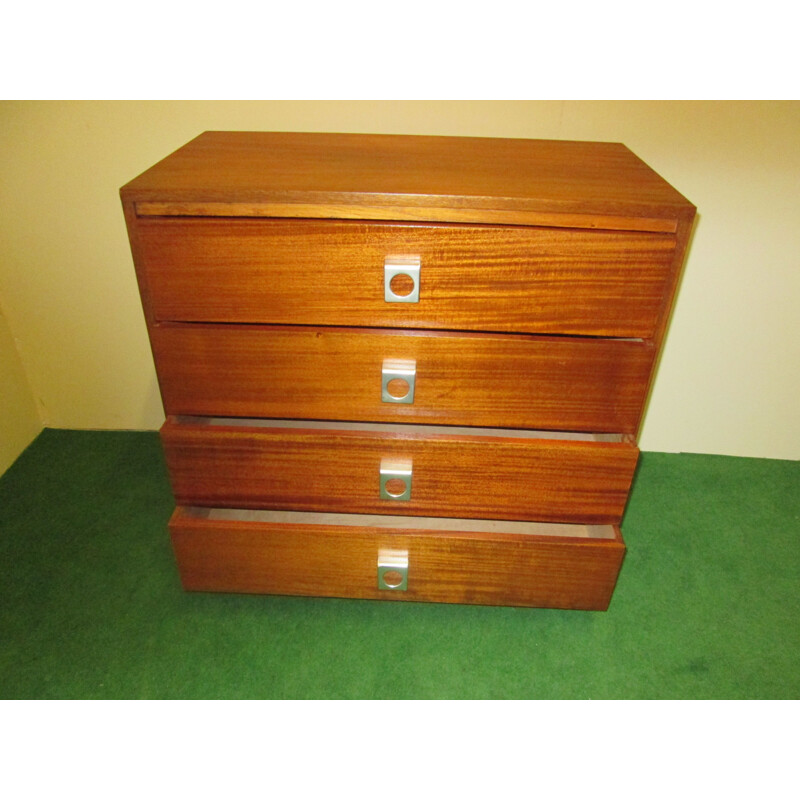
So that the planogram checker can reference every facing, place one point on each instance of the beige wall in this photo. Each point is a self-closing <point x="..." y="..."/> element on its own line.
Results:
<point x="19" y="417"/>
<point x="729" y="380"/>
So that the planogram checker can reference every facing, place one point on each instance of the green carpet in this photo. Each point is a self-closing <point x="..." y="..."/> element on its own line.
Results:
<point x="707" y="604"/>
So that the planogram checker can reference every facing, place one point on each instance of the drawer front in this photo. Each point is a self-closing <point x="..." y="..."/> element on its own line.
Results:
<point x="394" y="472"/>
<point x="595" y="385"/>
<point x="342" y="560"/>
<point x="514" y="279"/>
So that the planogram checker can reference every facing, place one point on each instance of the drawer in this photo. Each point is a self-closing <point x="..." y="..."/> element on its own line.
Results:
<point x="494" y="380"/>
<point x="399" y="469"/>
<point x="500" y="278"/>
<point x="446" y="561"/>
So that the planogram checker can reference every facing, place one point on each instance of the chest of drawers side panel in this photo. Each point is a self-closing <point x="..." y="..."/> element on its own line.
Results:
<point x="683" y="238"/>
<point x="132" y="223"/>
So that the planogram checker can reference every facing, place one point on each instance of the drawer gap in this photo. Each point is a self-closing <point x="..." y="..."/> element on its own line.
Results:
<point x="426" y="430"/>
<point x="164" y="322"/>
<point x="436" y="524"/>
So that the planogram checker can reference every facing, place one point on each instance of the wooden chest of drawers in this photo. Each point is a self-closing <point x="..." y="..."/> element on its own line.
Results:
<point x="404" y="368"/>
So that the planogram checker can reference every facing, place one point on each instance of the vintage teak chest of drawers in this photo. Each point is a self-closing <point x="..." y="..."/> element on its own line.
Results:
<point x="404" y="367"/>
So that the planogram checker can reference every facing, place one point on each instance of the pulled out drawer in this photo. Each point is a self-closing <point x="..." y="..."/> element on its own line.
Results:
<point x="468" y="277"/>
<point x="495" y="380"/>
<point x="399" y="469"/>
<point x="397" y="558"/>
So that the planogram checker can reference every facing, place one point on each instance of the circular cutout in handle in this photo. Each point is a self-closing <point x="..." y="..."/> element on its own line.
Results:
<point x="396" y="487"/>
<point x="392" y="578"/>
<point x="398" y="388"/>
<point x="402" y="284"/>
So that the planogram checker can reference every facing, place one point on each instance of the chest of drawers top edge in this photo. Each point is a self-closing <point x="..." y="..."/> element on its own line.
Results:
<point x="359" y="176"/>
<point x="551" y="264"/>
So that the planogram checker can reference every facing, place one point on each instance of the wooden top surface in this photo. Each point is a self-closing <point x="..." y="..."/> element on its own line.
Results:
<point x="359" y="173"/>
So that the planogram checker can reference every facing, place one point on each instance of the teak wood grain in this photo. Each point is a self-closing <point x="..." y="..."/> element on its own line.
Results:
<point x="396" y="213"/>
<point x="548" y="275"/>
<point x="499" y="477"/>
<point x="494" y="380"/>
<point x="444" y="567"/>
<point x="354" y="174"/>
<point x="472" y="277"/>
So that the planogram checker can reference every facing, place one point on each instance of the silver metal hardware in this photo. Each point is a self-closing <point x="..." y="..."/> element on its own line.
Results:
<point x="395" y="477"/>
<point x="398" y="370"/>
<point x="393" y="570"/>
<point x="401" y="265"/>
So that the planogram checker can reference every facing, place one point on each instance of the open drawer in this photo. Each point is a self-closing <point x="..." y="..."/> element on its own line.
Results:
<point x="460" y="378"/>
<point x="397" y="558"/>
<point x="416" y="470"/>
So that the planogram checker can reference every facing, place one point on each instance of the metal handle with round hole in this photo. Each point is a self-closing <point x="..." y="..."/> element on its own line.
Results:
<point x="395" y="479"/>
<point x="393" y="570"/>
<point x="401" y="276"/>
<point x="398" y="380"/>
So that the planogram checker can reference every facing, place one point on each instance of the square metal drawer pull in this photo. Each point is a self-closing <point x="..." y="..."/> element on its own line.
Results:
<point x="397" y="380"/>
<point x="393" y="570"/>
<point x="395" y="479"/>
<point x="401" y="279"/>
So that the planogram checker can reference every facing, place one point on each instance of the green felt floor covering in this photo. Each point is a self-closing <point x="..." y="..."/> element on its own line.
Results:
<point x="707" y="604"/>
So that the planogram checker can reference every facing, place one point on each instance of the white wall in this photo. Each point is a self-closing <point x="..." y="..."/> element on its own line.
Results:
<point x="19" y="416"/>
<point x="729" y="379"/>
